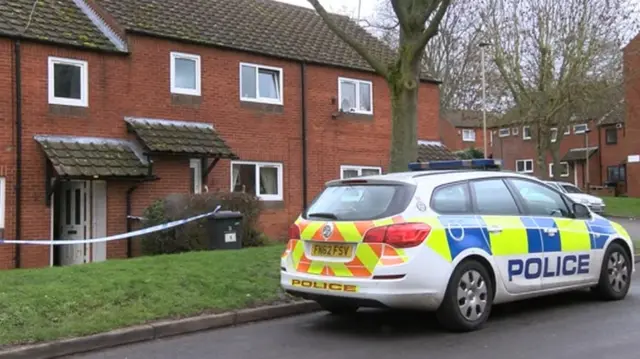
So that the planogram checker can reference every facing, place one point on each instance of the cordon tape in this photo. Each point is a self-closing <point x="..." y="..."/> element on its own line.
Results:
<point x="158" y="228"/>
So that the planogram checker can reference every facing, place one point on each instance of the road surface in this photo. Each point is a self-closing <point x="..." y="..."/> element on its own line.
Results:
<point x="569" y="326"/>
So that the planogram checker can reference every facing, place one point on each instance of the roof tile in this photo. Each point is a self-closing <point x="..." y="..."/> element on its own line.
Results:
<point x="85" y="156"/>
<point x="57" y="21"/>
<point x="434" y="152"/>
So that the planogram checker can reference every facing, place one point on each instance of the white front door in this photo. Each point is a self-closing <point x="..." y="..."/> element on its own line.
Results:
<point x="73" y="219"/>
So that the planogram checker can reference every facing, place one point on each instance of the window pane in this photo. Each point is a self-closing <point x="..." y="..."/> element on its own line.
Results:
<point x="529" y="165"/>
<point x="493" y="197"/>
<point x="540" y="200"/>
<point x="244" y="178"/>
<point x="365" y="97"/>
<point x="571" y="189"/>
<point x="451" y="199"/>
<point x="269" y="180"/>
<point x="67" y="81"/>
<point x="349" y="173"/>
<point x="520" y="166"/>
<point x="348" y="96"/>
<point x="78" y="206"/>
<point x="248" y="82"/>
<point x="370" y="172"/>
<point x="67" y="207"/>
<point x="269" y="80"/>
<point x="185" y="76"/>
<point x="193" y="180"/>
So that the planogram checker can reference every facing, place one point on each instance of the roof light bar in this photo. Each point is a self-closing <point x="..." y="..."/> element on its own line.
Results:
<point x="479" y="164"/>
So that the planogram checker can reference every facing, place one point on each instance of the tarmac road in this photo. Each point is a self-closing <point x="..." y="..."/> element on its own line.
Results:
<point x="568" y="326"/>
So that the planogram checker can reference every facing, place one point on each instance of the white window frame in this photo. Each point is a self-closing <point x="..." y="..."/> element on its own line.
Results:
<point x="466" y="131"/>
<point x="263" y="197"/>
<point x="84" y="82"/>
<point x="185" y="91"/>
<point x="357" y="168"/>
<point x="524" y="132"/>
<point x="567" y="131"/>
<point x="575" y="131"/>
<point x="357" y="104"/>
<point x="525" y="165"/>
<point x="514" y="131"/>
<point x="259" y="99"/>
<point x="562" y="164"/>
<point x="196" y="164"/>
<point x="2" y="202"/>
<point x="554" y="138"/>
<point x="502" y="134"/>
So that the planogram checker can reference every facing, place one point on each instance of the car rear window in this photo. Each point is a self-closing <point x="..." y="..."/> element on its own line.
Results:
<point x="359" y="202"/>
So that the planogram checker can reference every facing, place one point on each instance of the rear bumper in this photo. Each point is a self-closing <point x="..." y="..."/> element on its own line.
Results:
<point x="422" y="287"/>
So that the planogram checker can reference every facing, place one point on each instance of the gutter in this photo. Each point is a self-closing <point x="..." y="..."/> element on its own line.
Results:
<point x="303" y="135"/>
<point x="18" y="185"/>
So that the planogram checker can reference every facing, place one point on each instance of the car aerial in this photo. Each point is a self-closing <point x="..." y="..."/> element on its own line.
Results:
<point x="596" y="204"/>
<point x="454" y="237"/>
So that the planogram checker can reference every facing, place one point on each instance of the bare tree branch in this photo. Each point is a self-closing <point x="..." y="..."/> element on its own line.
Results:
<point x="432" y="29"/>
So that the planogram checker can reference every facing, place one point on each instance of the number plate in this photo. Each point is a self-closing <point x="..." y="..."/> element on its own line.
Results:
<point x="331" y="250"/>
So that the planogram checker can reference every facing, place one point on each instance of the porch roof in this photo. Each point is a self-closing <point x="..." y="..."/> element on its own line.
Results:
<point x="196" y="139"/>
<point x="73" y="156"/>
<point x="578" y="154"/>
<point x="434" y="151"/>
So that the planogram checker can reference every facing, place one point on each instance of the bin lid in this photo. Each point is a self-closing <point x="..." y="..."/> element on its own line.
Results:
<point x="227" y="214"/>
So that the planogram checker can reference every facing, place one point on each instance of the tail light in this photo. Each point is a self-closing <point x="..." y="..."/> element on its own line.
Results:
<point x="402" y="235"/>
<point x="294" y="232"/>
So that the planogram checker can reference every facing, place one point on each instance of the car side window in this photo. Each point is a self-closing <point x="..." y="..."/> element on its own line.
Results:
<point x="541" y="200"/>
<point x="451" y="199"/>
<point x="492" y="197"/>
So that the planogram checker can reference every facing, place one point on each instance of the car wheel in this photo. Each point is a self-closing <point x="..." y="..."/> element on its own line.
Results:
<point x="615" y="274"/>
<point x="338" y="308"/>
<point x="468" y="299"/>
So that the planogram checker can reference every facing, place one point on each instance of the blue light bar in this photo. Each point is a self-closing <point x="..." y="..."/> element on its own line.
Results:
<point x="480" y="164"/>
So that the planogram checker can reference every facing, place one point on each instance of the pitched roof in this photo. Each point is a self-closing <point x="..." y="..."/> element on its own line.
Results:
<point x="91" y="156"/>
<point x="266" y="27"/>
<point x="179" y="137"/>
<point x="57" y="21"/>
<point x="578" y="154"/>
<point x="468" y="118"/>
<point x="434" y="151"/>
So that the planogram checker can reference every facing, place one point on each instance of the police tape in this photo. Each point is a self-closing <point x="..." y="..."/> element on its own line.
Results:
<point x="158" y="228"/>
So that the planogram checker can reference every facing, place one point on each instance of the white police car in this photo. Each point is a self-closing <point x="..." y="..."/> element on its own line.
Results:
<point x="452" y="241"/>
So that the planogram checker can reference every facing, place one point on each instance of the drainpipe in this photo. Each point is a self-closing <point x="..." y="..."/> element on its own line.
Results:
<point x="128" y="214"/>
<point x="303" y="136"/>
<point x="18" y="187"/>
<point x="600" y="153"/>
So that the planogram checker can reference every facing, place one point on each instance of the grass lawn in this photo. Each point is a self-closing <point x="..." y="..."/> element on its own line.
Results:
<point x="622" y="206"/>
<point x="52" y="303"/>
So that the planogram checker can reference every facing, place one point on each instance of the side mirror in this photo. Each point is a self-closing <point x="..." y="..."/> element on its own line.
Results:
<point x="581" y="211"/>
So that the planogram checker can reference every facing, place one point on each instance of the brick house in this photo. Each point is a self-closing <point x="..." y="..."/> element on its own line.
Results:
<point x="463" y="129"/>
<point x="631" y="61"/>
<point x="112" y="104"/>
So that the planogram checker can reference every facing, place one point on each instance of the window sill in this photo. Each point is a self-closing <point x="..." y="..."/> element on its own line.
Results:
<point x="354" y="116"/>
<point x="67" y="110"/>
<point x="262" y="106"/>
<point x="185" y="100"/>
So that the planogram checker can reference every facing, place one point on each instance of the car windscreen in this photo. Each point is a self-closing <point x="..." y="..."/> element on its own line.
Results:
<point x="571" y="189"/>
<point x="360" y="202"/>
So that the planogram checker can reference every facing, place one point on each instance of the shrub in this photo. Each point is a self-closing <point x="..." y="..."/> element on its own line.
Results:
<point x="193" y="236"/>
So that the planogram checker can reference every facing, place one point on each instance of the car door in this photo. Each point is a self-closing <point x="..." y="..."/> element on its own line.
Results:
<point x="516" y="253"/>
<point x="566" y="241"/>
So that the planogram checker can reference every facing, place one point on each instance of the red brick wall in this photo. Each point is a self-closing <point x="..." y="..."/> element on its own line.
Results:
<point x="7" y="147"/>
<point x="631" y="141"/>
<point x="138" y="85"/>
<point x="452" y="137"/>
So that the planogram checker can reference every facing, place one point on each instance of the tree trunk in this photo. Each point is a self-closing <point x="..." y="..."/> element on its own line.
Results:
<point x="404" y="126"/>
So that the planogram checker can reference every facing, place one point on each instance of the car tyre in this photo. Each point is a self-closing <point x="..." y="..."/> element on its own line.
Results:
<point x="615" y="274"/>
<point x="338" y="308"/>
<point x="468" y="299"/>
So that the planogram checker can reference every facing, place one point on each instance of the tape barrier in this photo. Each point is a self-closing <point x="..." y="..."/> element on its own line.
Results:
<point x="158" y="228"/>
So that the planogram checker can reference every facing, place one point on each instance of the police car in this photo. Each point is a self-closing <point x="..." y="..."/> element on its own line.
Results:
<point x="454" y="237"/>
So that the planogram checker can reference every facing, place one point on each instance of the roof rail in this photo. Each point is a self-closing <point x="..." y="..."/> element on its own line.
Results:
<point x="475" y="164"/>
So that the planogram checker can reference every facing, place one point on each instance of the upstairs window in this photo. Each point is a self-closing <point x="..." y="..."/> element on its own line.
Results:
<point x="514" y="131"/>
<point x="261" y="179"/>
<point x="526" y="133"/>
<point x="355" y="95"/>
<point x="504" y="132"/>
<point x="68" y="82"/>
<point x="185" y="74"/>
<point x="578" y="129"/>
<point x="468" y="135"/>
<point x="357" y="171"/>
<point x="260" y="84"/>
<point x="611" y="136"/>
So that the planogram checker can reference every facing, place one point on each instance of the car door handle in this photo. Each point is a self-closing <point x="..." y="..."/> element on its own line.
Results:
<point x="551" y="231"/>
<point x="495" y="229"/>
